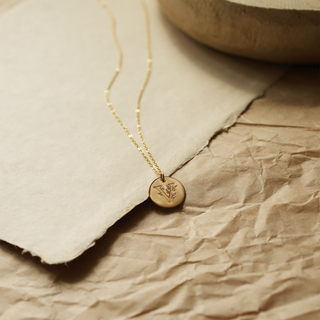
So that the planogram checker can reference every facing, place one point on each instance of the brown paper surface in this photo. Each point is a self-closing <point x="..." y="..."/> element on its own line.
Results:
<point x="68" y="169"/>
<point x="245" y="245"/>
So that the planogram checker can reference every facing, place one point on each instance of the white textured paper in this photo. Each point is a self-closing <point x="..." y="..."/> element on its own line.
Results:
<point x="68" y="171"/>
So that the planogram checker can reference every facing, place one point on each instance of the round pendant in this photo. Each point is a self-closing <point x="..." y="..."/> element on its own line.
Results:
<point x="168" y="193"/>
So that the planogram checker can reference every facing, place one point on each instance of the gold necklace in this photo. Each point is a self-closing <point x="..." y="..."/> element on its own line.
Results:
<point x="164" y="191"/>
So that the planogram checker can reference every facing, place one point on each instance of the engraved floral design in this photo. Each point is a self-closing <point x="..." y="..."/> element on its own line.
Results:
<point x="169" y="192"/>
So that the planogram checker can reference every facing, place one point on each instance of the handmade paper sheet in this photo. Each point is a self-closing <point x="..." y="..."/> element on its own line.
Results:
<point x="68" y="170"/>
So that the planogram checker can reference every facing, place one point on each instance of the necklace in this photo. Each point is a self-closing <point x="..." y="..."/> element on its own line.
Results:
<point x="164" y="191"/>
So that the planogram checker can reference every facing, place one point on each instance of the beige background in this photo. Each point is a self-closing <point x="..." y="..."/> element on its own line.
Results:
<point x="245" y="245"/>
<point x="70" y="171"/>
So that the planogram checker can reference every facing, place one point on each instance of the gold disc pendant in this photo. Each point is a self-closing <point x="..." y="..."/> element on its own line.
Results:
<point x="167" y="192"/>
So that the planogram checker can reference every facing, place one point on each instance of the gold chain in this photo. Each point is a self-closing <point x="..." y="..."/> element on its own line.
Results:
<point x="151" y="161"/>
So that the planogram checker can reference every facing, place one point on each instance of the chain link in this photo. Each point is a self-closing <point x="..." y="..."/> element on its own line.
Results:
<point x="146" y="154"/>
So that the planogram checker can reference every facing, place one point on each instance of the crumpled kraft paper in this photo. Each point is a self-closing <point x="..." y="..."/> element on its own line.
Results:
<point x="246" y="244"/>
<point x="68" y="170"/>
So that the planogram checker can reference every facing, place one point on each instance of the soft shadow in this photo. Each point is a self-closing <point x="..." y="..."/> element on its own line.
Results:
<point x="305" y="80"/>
<point x="166" y="211"/>
<point x="79" y="268"/>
